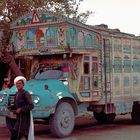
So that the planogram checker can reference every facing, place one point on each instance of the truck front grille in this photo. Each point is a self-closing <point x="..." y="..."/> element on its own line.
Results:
<point x="11" y="100"/>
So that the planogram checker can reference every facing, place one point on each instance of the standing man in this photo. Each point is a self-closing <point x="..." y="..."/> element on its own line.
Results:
<point x="22" y="106"/>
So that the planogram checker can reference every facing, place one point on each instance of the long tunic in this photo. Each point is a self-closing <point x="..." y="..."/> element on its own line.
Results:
<point x="23" y="100"/>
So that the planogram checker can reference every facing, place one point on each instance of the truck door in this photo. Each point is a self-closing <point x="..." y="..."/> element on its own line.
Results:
<point x="95" y="75"/>
<point x="89" y="81"/>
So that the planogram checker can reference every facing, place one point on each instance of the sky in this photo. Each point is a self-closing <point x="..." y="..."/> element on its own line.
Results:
<point x="121" y="14"/>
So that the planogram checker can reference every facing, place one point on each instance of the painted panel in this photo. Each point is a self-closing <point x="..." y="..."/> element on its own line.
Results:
<point x="136" y="65"/>
<point x="94" y="68"/>
<point x="30" y="38"/>
<point x="88" y="40"/>
<point x="123" y="107"/>
<point x="126" y="41"/>
<point x="136" y="50"/>
<point x="62" y="36"/>
<point x="95" y="76"/>
<point x="20" y="39"/>
<point x="127" y="66"/>
<point x="117" y="41"/>
<point x="117" y="51"/>
<point x="35" y="17"/>
<point x="127" y="84"/>
<point x="72" y="37"/>
<point x="94" y="83"/>
<point x="85" y="94"/>
<point x="40" y="38"/>
<point x="85" y="83"/>
<point x="51" y="36"/>
<point x="117" y="85"/>
<point x="81" y="42"/>
<point x="135" y="84"/>
<point x="96" y="41"/>
<point x="117" y="66"/>
<point x="127" y="49"/>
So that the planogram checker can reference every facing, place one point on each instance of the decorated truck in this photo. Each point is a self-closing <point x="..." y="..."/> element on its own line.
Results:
<point x="72" y="69"/>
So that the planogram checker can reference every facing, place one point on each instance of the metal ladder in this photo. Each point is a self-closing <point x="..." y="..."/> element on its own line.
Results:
<point x="107" y="74"/>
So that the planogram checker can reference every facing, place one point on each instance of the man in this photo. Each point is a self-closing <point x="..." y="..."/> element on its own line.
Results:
<point x="22" y="106"/>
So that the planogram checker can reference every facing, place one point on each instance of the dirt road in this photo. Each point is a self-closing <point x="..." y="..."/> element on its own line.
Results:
<point x="87" y="129"/>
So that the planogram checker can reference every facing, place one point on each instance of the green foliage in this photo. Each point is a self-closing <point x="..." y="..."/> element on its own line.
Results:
<point x="12" y="9"/>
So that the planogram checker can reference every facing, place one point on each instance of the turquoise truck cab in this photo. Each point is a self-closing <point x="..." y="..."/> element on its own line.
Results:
<point x="49" y="90"/>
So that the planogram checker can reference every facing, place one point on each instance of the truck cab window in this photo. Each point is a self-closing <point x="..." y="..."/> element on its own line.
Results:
<point x="86" y="65"/>
<point x="48" y="74"/>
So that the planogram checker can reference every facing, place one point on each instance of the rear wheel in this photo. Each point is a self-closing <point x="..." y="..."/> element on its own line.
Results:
<point x="62" y="122"/>
<point x="135" y="115"/>
<point x="104" y="118"/>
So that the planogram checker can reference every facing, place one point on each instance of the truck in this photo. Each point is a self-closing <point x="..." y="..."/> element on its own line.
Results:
<point x="73" y="69"/>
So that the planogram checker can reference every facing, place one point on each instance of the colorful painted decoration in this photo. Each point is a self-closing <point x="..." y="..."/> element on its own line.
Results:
<point x="80" y="39"/>
<point x="42" y="29"/>
<point x="62" y="36"/>
<point x="51" y="36"/>
<point x="40" y="40"/>
<point x="30" y="37"/>
<point x="20" y="40"/>
<point x="35" y="18"/>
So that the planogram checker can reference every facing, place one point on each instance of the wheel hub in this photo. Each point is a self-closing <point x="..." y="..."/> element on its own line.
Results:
<point x="65" y="120"/>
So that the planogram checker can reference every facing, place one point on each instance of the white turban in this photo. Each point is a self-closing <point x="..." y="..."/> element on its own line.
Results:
<point x="19" y="78"/>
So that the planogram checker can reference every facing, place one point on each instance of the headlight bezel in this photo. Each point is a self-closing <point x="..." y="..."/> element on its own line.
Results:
<point x="2" y="98"/>
<point x="36" y="99"/>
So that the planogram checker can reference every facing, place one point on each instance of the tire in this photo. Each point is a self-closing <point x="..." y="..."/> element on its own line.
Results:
<point x="63" y="121"/>
<point x="104" y="118"/>
<point x="135" y="115"/>
<point x="10" y="123"/>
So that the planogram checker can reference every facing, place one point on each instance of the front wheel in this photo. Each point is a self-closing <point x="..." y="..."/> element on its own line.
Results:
<point x="63" y="121"/>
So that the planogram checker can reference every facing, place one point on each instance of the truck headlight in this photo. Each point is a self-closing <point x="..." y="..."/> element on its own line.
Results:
<point x="65" y="83"/>
<point x="1" y="98"/>
<point x="36" y="99"/>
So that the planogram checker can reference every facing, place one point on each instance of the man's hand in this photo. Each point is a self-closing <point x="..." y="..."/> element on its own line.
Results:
<point x="18" y="111"/>
<point x="8" y="107"/>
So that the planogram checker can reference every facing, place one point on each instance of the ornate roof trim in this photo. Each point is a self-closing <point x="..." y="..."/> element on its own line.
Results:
<point x="62" y="20"/>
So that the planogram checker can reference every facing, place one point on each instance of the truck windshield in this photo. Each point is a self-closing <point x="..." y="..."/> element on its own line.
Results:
<point x="48" y="74"/>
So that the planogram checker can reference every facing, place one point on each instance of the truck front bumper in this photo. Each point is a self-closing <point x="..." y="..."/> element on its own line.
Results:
<point x="4" y="111"/>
